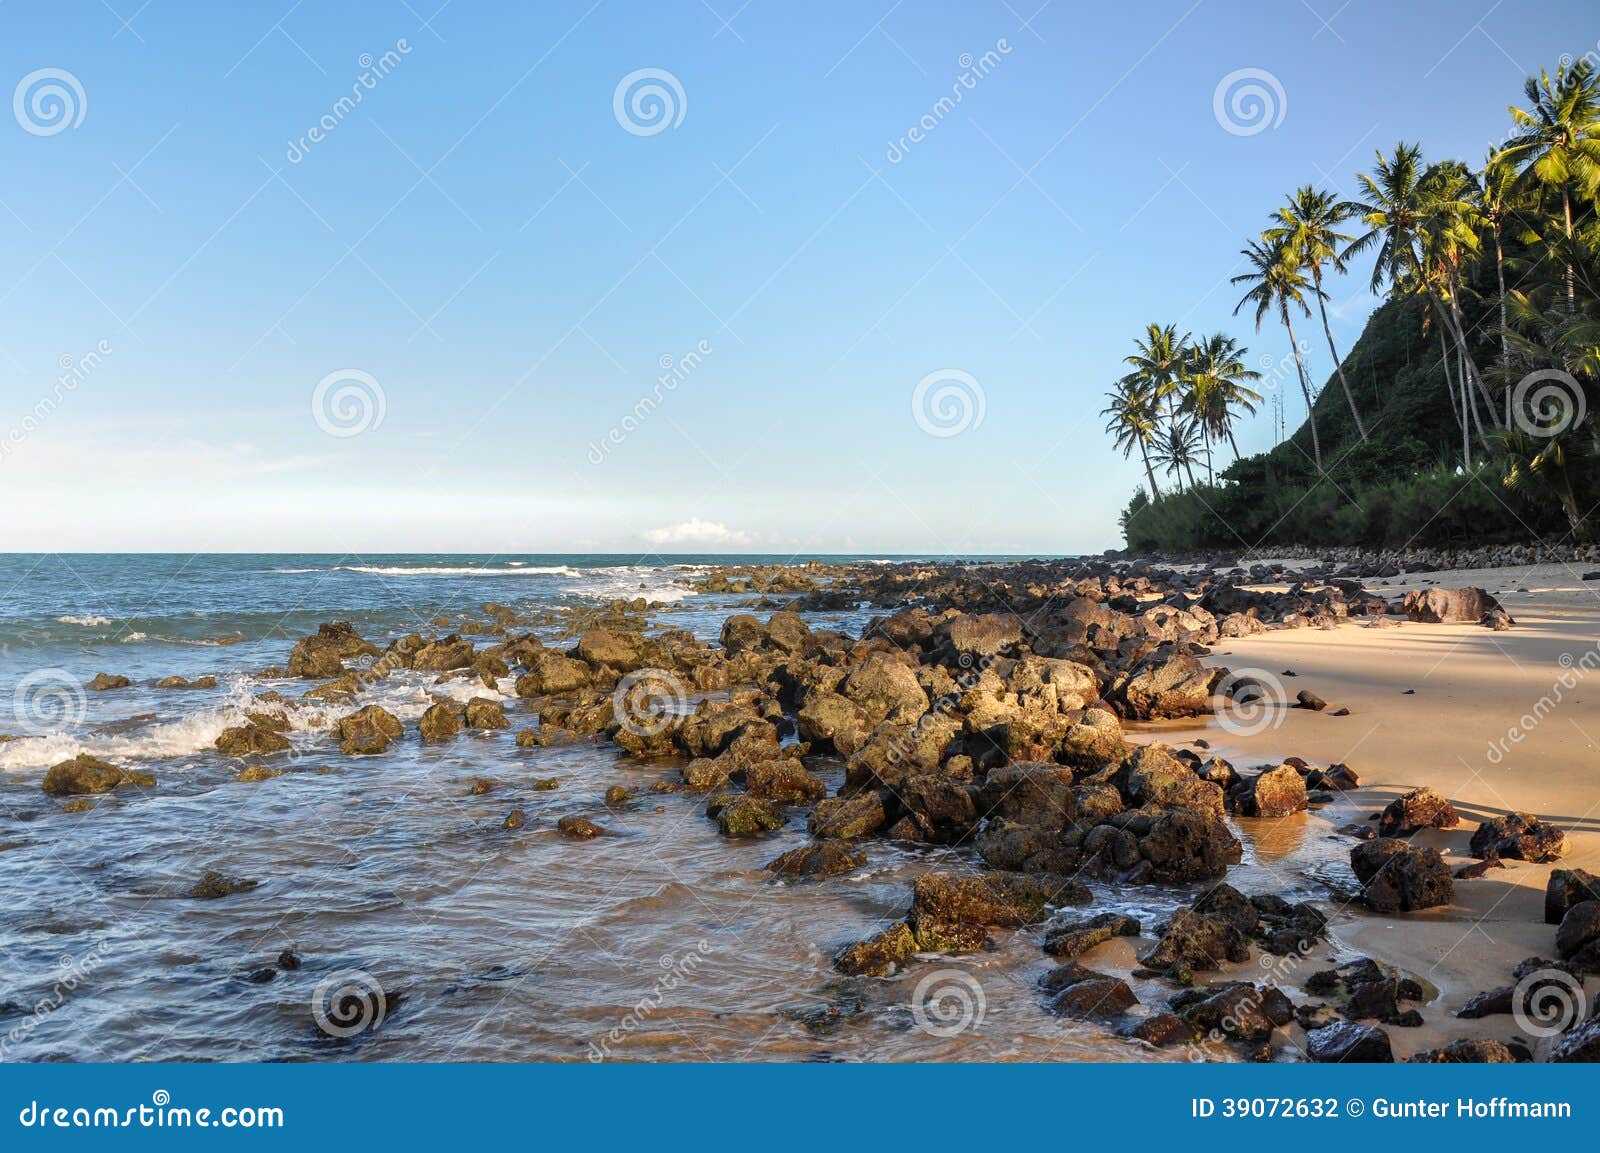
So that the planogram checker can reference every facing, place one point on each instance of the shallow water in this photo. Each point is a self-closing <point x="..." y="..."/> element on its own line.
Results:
<point x="660" y="941"/>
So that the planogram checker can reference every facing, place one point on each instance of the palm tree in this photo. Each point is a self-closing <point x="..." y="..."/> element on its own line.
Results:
<point x="1158" y="360"/>
<point x="1559" y="145"/>
<point x="1277" y="282"/>
<point x="1309" y="224"/>
<point x="1497" y="199"/>
<point x="1177" y="447"/>
<point x="1216" y="376"/>
<point x="1135" y="420"/>
<point x="1393" y="213"/>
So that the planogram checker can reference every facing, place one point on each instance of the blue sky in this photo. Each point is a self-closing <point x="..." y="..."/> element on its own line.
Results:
<point x="484" y="245"/>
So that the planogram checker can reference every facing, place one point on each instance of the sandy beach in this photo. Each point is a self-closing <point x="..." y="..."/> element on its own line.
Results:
<point x="1432" y="706"/>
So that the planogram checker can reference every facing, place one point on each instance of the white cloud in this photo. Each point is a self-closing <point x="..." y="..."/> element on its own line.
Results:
<point x="696" y="531"/>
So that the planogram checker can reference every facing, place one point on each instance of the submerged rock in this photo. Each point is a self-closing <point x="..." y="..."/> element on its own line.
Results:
<point x="85" y="774"/>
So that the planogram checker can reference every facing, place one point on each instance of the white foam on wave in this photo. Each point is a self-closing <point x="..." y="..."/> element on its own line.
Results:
<point x="405" y="694"/>
<point x="461" y="570"/>
<point x="629" y="581"/>
<point x="87" y="620"/>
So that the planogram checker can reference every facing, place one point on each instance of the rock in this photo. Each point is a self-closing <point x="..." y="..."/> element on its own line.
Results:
<point x="818" y="859"/>
<point x="579" y="828"/>
<point x="1476" y="871"/>
<point x="1339" y="778"/>
<point x="1489" y="1004"/>
<point x="880" y="954"/>
<point x="1519" y="837"/>
<point x="1418" y="809"/>
<point x="546" y="784"/>
<point x="480" y="786"/>
<point x="1095" y="997"/>
<point x="1074" y="938"/>
<point x="1397" y="877"/>
<point x="1466" y="1051"/>
<point x="940" y="809"/>
<point x="1581" y="1044"/>
<point x="981" y="635"/>
<point x="1578" y="937"/>
<point x="617" y="795"/>
<point x="885" y="689"/>
<point x="252" y="773"/>
<point x="784" y="779"/>
<point x="1164" y="1029"/>
<point x="1306" y="699"/>
<point x="175" y="682"/>
<point x="367" y="731"/>
<point x="251" y="741"/>
<point x="444" y="719"/>
<point x="788" y="632"/>
<point x="443" y="655"/>
<point x="1242" y="1012"/>
<point x="1279" y="792"/>
<point x="1449" y="606"/>
<point x="551" y="674"/>
<point x="1029" y="794"/>
<point x="624" y="652"/>
<point x="1153" y="776"/>
<point x="1568" y="887"/>
<point x="1346" y="1042"/>
<point x="515" y="819"/>
<point x="831" y="721"/>
<point x="87" y="775"/>
<point x="1093" y="740"/>
<point x="483" y="713"/>
<point x="105" y="681"/>
<point x="1003" y="899"/>
<point x="742" y="632"/>
<point x="1167" y="686"/>
<point x="213" y="885"/>
<point x="322" y="655"/>
<point x="1194" y="941"/>
<point x="848" y="817"/>
<point x="747" y="816"/>
<point x="1183" y="846"/>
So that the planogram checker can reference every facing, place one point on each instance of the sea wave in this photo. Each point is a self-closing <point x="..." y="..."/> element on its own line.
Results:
<point x="515" y="568"/>
<point x="87" y="620"/>
<point x="405" y="694"/>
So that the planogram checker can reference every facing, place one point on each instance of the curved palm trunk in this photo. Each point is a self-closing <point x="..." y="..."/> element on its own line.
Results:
<point x="1150" y="473"/>
<point x="1469" y="365"/>
<point x="1233" y="444"/>
<point x="1305" y="388"/>
<point x="1566" y="208"/>
<point x="1338" y="365"/>
<point x="1500" y="274"/>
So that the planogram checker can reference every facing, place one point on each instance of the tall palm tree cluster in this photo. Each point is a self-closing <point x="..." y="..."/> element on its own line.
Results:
<point x="1505" y="261"/>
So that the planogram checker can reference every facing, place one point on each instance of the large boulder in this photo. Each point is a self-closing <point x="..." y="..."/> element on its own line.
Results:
<point x="322" y="655"/>
<point x="1519" y="837"/>
<point x="85" y="775"/>
<point x="443" y="655"/>
<point x="1451" y="606"/>
<point x="1093" y="740"/>
<point x="1194" y="940"/>
<point x="550" y="673"/>
<point x="1278" y="792"/>
<point x="848" y="817"/>
<point x="1345" y="1042"/>
<point x="1418" y="809"/>
<point x="1566" y="888"/>
<point x="829" y="720"/>
<point x="885" y="688"/>
<point x="1578" y="937"/>
<point x="1151" y="775"/>
<point x="1167" y="686"/>
<point x="624" y="652"/>
<point x="1029" y="794"/>
<point x="1397" y="877"/>
<point x="981" y="635"/>
<point x="367" y="731"/>
<point x="1006" y="900"/>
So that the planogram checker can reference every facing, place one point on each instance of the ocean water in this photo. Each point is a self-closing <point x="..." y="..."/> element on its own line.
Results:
<point x="660" y="941"/>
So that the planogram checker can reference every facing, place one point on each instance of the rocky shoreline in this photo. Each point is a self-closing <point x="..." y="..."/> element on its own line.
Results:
<point x="998" y="709"/>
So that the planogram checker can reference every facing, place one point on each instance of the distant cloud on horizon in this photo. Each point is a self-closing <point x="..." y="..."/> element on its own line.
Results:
<point x="697" y="531"/>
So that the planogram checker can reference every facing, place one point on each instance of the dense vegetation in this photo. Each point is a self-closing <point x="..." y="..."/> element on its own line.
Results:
<point x="1461" y="415"/>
